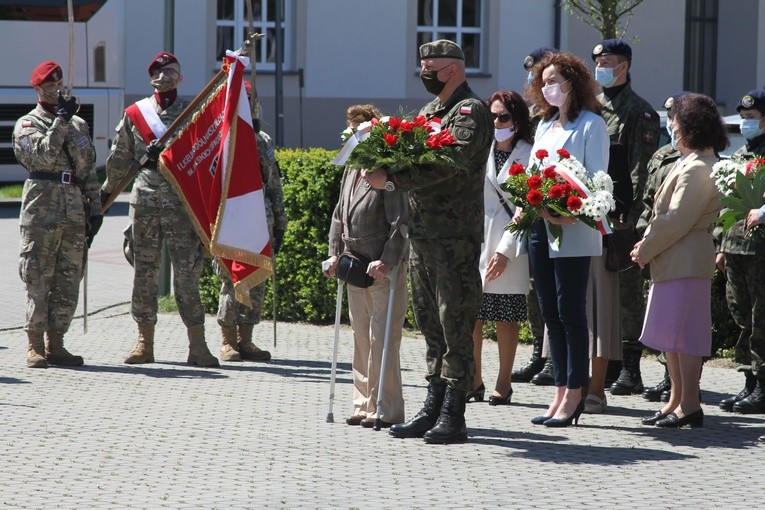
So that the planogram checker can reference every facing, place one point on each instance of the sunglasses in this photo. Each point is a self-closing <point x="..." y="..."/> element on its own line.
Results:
<point x="502" y="117"/>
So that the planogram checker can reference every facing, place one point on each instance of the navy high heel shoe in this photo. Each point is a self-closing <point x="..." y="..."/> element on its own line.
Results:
<point x="539" y="420"/>
<point x="574" y="418"/>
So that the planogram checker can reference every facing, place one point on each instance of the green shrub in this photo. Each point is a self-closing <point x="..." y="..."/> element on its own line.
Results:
<point x="724" y="329"/>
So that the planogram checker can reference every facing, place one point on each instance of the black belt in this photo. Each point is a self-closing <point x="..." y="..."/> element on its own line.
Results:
<point x="62" y="177"/>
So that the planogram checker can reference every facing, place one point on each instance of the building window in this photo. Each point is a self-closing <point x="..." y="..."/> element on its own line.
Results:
<point x="461" y="21"/>
<point x="232" y="28"/>
<point x="701" y="46"/>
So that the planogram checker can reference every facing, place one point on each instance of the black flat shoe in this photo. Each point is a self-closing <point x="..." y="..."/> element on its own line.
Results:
<point x="369" y="423"/>
<point x="651" y="420"/>
<point x="693" y="420"/>
<point x="354" y="420"/>
<point x="496" y="400"/>
<point x="476" y="394"/>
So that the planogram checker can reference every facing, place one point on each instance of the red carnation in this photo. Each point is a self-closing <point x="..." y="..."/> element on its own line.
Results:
<point x="390" y="139"/>
<point x="534" y="182"/>
<point x="574" y="203"/>
<point x="534" y="197"/>
<point x="394" y="122"/>
<point x="406" y="125"/>
<point x="517" y="169"/>
<point x="433" y="141"/>
<point x="446" y="137"/>
<point x="564" y="154"/>
<point x="549" y="172"/>
<point x="419" y="120"/>
<point x="541" y="154"/>
<point x="557" y="191"/>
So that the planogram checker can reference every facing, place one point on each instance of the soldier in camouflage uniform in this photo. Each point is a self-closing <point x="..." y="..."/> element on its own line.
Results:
<point x="660" y="165"/>
<point x="634" y="125"/>
<point x="60" y="214"/>
<point x="743" y="258"/>
<point x="446" y="231"/>
<point x="156" y="213"/>
<point x="235" y="319"/>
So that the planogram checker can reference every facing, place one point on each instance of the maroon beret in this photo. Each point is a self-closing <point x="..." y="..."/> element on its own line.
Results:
<point x="45" y="72"/>
<point x="162" y="59"/>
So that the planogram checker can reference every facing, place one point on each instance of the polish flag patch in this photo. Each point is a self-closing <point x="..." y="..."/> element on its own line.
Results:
<point x="26" y="123"/>
<point x="466" y="110"/>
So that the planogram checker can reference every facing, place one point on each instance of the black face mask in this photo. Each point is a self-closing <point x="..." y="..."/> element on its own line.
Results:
<point x="430" y="80"/>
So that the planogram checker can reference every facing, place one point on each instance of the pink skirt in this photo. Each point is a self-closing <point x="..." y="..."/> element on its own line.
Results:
<point x="678" y="317"/>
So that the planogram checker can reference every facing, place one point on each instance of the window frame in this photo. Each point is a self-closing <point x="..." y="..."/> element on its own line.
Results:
<point x="436" y="31"/>
<point x="697" y="69"/>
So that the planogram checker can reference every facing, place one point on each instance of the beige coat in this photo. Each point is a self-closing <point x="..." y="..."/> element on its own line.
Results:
<point x="678" y="241"/>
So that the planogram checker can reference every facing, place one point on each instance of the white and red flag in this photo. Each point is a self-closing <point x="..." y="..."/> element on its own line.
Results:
<point x="214" y="165"/>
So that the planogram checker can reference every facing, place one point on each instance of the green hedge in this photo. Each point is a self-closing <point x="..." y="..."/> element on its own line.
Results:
<point x="311" y="187"/>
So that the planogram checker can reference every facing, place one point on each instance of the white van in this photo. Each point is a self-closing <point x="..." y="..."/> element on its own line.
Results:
<point x="98" y="79"/>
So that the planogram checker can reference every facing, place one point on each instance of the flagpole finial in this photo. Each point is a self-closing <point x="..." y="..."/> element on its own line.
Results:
<point x="249" y="42"/>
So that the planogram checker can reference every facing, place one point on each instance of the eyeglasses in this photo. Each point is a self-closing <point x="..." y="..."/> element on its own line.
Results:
<point x="502" y="117"/>
<point x="169" y="71"/>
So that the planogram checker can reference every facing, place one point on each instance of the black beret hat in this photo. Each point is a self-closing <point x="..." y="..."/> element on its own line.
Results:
<point x="441" y="48"/>
<point x="537" y="55"/>
<point x="753" y="100"/>
<point x="612" y="47"/>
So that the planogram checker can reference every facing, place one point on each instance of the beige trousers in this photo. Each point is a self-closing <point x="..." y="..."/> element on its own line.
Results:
<point x="368" y="309"/>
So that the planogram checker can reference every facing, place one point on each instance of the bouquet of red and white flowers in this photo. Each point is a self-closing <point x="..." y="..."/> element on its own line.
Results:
<point x="563" y="188"/>
<point x="742" y="183"/>
<point x="397" y="144"/>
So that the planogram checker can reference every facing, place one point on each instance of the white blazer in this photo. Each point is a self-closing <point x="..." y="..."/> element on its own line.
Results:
<point x="586" y="138"/>
<point x="515" y="278"/>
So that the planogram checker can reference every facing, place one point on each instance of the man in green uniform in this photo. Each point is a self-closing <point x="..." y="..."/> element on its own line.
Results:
<point x="446" y="231"/>
<point x="157" y="214"/>
<point x="633" y="125"/>
<point x="743" y="258"/>
<point x="60" y="213"/>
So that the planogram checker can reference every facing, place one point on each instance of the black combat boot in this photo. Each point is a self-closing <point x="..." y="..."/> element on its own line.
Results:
<point x="427" y="417"/>
<point x="534" y="366"/>
<point x="546" y="376"/>
<point x="629" y="382"/>
<point x="755" y="402"/>
<point x="751" y="381"/>
<point x="653" y="394"/>
<point x="450" y="427"/>
<point x="612" y="372"/>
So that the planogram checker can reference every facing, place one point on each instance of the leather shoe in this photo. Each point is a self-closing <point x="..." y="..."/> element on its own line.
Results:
<point x="496" y="400"/>
<point x="651" y="420"/>
<point x="694" y="420"/>
<point x="369" y="423"/>
<point x="356" y="419"/>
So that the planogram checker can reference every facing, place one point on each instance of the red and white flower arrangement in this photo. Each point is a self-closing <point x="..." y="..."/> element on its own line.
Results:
<point x="742" y="183"/>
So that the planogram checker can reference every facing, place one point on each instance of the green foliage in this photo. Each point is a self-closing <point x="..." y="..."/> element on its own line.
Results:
<point x="11" y="191"/>
<point x="609" y="17"/>
<point x="167" y="304"/>
<point x="209" y="288"/>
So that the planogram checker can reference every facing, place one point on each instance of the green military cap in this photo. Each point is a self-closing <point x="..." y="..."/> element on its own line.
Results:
<point x="442" y="48"/>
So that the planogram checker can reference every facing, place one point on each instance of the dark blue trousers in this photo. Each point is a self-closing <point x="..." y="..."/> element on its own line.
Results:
<point x="562" y="291"/>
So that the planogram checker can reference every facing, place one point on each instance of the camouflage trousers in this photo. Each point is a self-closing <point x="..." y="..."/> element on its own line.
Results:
<point x="446" y="297"/>
<point x="230" y="311"/>
<point x="745" y="294"/>
<point x="632" y="301"/>
<point x="150" y="225"/>
<point x="50" y="265"/>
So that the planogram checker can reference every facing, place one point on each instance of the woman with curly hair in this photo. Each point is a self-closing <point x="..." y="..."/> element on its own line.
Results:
<point x="564" y="93"/>
<point x="678" y="245"/>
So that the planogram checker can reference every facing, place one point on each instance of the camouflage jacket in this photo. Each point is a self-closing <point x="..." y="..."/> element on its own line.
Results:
<point x="633" y="123"/>
<point x="38" y="140"/>
<point x="735" y="241"/>
<point x="272" y="183"/>
<point x="150" y="187"/>
<point x="661" y="163"/>
<point x="448" y="202"/>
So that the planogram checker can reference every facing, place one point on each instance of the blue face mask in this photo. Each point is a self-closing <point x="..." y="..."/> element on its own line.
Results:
<point x="750" y="128"/>
<point x="605" y="76"/>
<point x="673" y="138"/>
<point x="530" y="77"/>
<point x="669" y="128"/>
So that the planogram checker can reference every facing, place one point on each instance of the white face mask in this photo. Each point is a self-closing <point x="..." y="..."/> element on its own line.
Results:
<point x="502" y="134"/>
<point x="554" y="95"/>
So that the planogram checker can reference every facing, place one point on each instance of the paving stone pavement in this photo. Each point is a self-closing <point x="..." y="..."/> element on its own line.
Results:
<point x="255" y="435"/>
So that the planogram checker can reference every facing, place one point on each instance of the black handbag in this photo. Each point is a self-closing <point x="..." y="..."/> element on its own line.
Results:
<point x="620" y="244"/>
<point x="352" y="269"/>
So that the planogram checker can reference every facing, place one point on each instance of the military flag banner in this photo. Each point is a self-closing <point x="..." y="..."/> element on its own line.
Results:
<point x="214" y="165"/>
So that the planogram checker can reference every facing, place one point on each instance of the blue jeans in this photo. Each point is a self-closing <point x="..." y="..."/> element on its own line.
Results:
<point x="562" y="291"/>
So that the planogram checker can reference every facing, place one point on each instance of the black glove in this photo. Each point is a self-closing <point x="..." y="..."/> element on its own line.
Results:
<point x="92" y="227"/>
<point x="277" y="243"/>
<point x="66" y="107"/>
<point x="104" y="195"/>
<point x="153" y="150"/>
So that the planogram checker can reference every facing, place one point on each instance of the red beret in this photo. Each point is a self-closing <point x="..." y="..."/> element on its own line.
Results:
<point x="162" y="59"/>
<point x="47" y="71"/>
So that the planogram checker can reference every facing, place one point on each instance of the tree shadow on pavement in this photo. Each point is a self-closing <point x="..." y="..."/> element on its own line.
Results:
<point x="13" y="380"/>
<point x="153" y="370"/>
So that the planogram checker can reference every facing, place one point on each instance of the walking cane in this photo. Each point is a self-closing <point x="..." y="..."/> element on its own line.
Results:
<point x="393" y="278"/>
<point x="338" y="309"/>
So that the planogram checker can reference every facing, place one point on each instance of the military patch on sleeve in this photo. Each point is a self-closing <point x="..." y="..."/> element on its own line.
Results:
<point x="26" y="145"/>
<point x="270" y="154"/>
<point x="82" y="142"/>
<point x="647" y="115"/>
<point x="26" y="123"/>
<point x="462" y="133"/>
<point x="466" y="110"/>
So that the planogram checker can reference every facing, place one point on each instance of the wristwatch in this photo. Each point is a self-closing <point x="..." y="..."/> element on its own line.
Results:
<point x="390" y="185"/>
